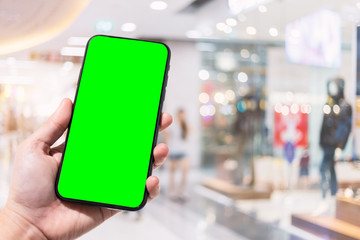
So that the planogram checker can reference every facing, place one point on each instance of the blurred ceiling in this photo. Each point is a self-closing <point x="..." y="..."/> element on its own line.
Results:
<point x="27" y="24"/>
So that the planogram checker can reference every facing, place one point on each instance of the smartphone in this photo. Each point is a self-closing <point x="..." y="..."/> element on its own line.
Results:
<point x="108" y="153"/>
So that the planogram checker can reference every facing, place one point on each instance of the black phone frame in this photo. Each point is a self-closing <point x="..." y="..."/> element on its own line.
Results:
<point x="156" y="132"/>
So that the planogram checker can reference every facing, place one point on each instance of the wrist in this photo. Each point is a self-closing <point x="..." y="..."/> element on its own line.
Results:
<point x="14" y="226"/>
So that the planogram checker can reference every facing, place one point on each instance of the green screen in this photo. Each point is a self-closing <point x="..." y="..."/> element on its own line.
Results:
<point x="111" y="135"/>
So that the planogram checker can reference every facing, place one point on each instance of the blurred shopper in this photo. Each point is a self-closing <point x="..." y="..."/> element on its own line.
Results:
<point x="176" y="139"/>
<point x="304" y="169"/>
<point x="32" y="210"/>
<point x="334" y="134"/>
<point x="247" y="125"/>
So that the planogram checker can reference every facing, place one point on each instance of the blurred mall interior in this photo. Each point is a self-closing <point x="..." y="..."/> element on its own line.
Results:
<point x="269" y="92"/>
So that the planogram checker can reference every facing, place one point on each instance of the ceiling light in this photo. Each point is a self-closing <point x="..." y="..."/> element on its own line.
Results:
<point x="231" y="22"/>
<point x="240" y="6"/>
<point x="358" y="5"/>
<point x="273" y="32"/>
<point x="128" y="27"/>
<point x="158" y="5"/>
<point x="221" y="26"/>
<point x="262" y="9"/>
<point x="77" y="41"/>
<point x="251" y="30"/>
<point x="72" y="51"/>
<point x="235" y="6"/>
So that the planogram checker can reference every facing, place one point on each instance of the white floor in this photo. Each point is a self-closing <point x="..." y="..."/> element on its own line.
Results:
<point x="173" y="222"/>
<point x="279" y="208"/>
<point x="163" y="219"/>
<point x="128" y="227"/>
<point x="281" y="205"/>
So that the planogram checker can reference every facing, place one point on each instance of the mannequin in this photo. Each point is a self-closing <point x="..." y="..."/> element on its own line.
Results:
<point x="335" y="131"/>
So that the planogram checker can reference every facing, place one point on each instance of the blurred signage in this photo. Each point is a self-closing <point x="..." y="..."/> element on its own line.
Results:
<point x="290" y="126"/>
<point x="315" y="39"/>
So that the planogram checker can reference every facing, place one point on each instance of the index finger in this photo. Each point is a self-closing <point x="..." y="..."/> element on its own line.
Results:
<point x="165" y="121"/>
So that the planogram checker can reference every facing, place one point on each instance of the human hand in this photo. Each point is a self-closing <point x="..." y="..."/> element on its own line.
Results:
<point x="32" y="210"/>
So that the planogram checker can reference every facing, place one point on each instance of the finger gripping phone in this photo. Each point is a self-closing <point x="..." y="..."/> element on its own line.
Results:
<point x="108" y="153"/>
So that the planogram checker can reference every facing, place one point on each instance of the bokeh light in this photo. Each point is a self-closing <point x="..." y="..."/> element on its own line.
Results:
<point x="242" y="77"/>
<point x="204" y="97"/>
<point x="204" y="74"/>
<point x="326" y="109"/>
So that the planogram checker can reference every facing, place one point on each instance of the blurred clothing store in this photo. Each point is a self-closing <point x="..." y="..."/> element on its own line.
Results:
<point x="265" y="96"/>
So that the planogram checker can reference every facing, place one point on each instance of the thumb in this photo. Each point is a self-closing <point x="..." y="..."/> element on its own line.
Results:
<point x="56" y="124"/>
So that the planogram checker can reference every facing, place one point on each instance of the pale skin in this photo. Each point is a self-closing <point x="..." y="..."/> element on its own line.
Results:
<point x="32" y="210"/>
